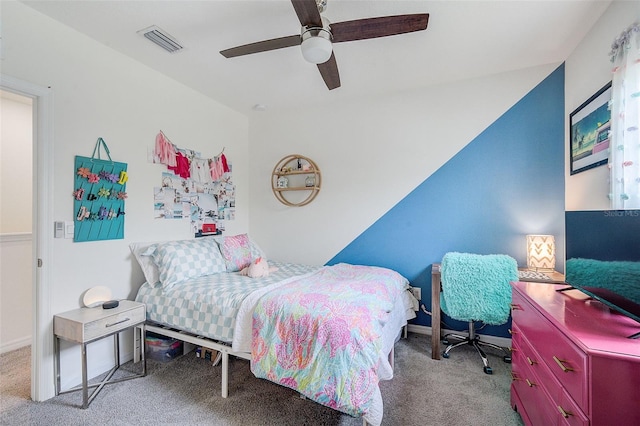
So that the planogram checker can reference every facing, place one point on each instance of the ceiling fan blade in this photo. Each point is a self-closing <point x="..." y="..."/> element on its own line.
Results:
<point x="329" y="72"/>
<point x="308" y="14"/>
<point x="262" y="46"/>
<point x="383" y="26"/>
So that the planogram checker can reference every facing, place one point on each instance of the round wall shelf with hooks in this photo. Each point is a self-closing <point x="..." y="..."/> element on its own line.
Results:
<point x="296" y="180"/>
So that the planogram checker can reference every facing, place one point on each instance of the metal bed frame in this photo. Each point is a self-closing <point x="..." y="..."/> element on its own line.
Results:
<point x="224" y="349"/>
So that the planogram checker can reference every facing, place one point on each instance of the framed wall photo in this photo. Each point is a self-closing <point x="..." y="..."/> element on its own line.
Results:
<point x="589" y="128"/>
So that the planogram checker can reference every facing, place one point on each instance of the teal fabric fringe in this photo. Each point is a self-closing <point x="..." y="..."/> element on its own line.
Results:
<point x="621" y="277"/>
<point x="477" y="287"/>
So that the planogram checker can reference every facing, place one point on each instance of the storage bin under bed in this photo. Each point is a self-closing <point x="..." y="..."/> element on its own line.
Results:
<point x="162" y="348"/>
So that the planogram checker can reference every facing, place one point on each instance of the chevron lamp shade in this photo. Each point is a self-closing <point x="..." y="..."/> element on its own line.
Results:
<point x="541" y="252"/>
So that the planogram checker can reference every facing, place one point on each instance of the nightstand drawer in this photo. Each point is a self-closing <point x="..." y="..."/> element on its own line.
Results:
<point x="112" y="324"/>
<point x="87" y="324"/>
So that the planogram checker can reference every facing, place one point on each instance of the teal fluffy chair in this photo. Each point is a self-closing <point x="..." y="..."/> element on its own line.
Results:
<point x="477" y="288"/>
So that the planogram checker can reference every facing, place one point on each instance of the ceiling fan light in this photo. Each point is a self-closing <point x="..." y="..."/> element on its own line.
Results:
<point x="316" y="48"/>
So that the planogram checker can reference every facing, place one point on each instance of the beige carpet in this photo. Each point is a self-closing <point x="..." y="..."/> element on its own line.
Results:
<point x="15" y="378"/>
<point x="186" y="390"/>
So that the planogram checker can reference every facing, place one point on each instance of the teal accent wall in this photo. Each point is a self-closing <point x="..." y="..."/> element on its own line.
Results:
<point x="506" y="183"/>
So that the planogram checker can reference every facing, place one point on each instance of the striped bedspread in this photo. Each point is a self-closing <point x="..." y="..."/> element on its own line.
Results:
<point x="321" y="335"/>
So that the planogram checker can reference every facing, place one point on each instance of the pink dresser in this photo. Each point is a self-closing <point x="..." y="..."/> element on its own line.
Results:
<point x="572" y="361"/>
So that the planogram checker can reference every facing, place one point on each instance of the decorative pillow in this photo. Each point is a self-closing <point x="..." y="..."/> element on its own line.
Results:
<point x="179" y="261"/>
<point x="149" y="268"/>
<point x="256" y="251"/>
<point x="236" y="251"/>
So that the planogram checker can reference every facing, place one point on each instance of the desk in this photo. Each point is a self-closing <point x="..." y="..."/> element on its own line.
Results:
<point x="86" y="325"/>
<point x="436" y="315"/>
<point x="552" y="277"/>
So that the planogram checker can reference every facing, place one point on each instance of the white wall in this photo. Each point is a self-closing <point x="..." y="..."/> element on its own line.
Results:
<point x="15" y="291"/>
<point x="98" y="92"/>
<point x="16" y="145"/>
<point x="586" y="71"/>
<point x="371" y="153"/>
<point x="15" y="221"/>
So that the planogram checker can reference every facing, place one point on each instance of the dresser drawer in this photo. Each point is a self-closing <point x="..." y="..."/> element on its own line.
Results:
<point x="565" y="361"/>
<point x="569" y="413"/>
<point x="560" y="406"/>
<point x="536" y="404"/>
<point x="526" y="355"/>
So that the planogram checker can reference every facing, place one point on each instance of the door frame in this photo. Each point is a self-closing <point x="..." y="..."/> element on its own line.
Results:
<point x="42" y="356"/>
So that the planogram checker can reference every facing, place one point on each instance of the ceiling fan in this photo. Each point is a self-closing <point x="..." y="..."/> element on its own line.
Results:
<point x="318" y="34"/>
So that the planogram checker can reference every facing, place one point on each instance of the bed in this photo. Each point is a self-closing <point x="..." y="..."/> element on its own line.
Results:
<point x="325" y="331"/>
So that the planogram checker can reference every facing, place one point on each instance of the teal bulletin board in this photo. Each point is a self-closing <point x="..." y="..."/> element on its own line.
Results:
<point x="99" y="196"/>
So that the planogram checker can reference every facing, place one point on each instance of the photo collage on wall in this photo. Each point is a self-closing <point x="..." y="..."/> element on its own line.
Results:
<point x="193" y="188"/>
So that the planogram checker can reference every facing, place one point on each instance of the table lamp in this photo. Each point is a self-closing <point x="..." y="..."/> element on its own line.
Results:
<point x="541" y="252"/>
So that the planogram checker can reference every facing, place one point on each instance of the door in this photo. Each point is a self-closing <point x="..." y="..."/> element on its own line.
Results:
<point x="42" y="370"/>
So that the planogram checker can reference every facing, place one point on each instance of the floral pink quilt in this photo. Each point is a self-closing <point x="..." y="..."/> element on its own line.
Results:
<point x="321" y="335"/>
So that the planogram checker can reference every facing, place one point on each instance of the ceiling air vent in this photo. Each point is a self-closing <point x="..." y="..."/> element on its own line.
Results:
<point x="161" y="38"/>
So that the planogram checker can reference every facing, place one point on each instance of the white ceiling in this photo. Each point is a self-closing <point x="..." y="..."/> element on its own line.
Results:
<point x="464" y="39"/>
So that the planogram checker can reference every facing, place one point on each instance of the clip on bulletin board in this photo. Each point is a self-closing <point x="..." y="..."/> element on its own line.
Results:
<point x="99" y="194"/>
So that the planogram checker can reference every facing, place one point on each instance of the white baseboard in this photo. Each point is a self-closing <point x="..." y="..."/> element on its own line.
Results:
<point x="15" y="344"/>
<point x="505" y="342"/>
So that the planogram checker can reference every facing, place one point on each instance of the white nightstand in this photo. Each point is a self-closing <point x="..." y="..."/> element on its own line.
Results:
<point x="86" y="325"/>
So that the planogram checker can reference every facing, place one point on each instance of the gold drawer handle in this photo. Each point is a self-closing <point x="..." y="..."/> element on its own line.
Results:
<point x="531" y="362"/>
<point x="118" y="322"/>
<point x="564" y="413"/>
<point x="511" y="332"/>
<point x="561" y="363"/>
<point x="516" y="307"/>
<point x="531" y="384"/>
<point x="514" y="377"/>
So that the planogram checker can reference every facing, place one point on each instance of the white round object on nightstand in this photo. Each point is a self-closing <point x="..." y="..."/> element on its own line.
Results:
<point x="95" y="296"/>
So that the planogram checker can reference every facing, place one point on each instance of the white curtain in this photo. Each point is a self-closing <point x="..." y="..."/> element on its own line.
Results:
<point x="624" y="150"/>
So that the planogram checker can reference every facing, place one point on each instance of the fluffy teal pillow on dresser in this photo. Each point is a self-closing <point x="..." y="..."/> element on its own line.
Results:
<point x="621" y="277"/>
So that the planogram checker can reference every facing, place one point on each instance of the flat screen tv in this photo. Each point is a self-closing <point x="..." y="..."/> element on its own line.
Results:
<point x="612" y="236"/>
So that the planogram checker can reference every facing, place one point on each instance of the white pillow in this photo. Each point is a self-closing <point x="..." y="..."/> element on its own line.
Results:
<point x="149" y="268"/>
<point x="141" y="251"/>
<point x="179" y="261"/>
